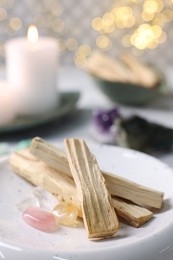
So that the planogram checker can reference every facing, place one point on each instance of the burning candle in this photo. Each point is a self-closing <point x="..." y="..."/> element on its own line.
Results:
<point x="31" y="67"/>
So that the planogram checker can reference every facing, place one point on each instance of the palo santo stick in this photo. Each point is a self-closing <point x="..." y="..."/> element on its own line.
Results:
<point x="143" y="73"/>
<point x="134" y="192"/>
<point x="133" y="214"/>
<point x="50" y="154"/>
<point x="99" y="216"/>
<point x="106" y="68"/>
<point x="40" y="174"/>
<point x="117" y="185"/>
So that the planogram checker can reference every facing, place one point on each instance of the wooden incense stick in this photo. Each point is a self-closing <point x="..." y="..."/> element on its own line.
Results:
<point x="133" y="214"/>
<point x="99" y="216"/>
<point x="118" y="186"/>
<point x="40" y="174"/>
<point x="145" y="75"/>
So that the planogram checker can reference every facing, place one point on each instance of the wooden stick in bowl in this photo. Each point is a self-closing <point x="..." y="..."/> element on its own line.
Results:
<point x="106" y="68"/>
<point x="145" y="76"/>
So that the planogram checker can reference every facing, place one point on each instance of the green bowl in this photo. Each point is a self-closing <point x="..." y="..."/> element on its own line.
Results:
<point x="131" y="94"/>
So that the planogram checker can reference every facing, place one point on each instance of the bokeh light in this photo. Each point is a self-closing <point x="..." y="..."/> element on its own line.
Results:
<point x="153" y="6"/>
<point x="139" y="24"/>
<point x="124" y="17"/>
<point x="135" y="24"/>
<point x="81" y="55"/>
<point x="71" y="44"/>
<point x="3" y="14"/>
<point x="103" y="42"/>
<point x="15" y="23"/>
<point x="146" y="36"/>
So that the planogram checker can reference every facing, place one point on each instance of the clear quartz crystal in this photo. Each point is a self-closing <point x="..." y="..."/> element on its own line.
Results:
<point x="27" y="203"/>
<point x="40" y="198"/>
<point x="66" y="213"/>
<point x="46" y="199"/>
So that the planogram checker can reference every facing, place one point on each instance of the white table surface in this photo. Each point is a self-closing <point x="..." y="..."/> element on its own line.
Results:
<point x="80" y="124"/>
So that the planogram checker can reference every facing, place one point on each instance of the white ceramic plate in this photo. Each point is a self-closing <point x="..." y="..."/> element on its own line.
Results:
<point x="153" y="241"/>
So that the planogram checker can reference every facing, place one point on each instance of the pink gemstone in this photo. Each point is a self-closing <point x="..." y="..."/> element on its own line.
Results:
<point x="40" y="219"/>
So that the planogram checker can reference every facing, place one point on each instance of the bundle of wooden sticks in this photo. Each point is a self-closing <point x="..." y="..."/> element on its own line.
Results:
<point x="102" y="198"/>
<point x="126" y="69"/>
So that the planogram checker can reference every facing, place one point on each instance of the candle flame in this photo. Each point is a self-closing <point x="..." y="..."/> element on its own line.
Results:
<point x="33" y="34"/>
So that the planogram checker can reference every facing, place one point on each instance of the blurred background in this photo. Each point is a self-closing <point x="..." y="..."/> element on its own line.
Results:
<point x="143" y="26"/>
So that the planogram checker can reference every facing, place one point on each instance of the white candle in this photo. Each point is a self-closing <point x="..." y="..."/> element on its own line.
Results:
<point x="7" y="104"/>
<point x="31" y="67"/>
